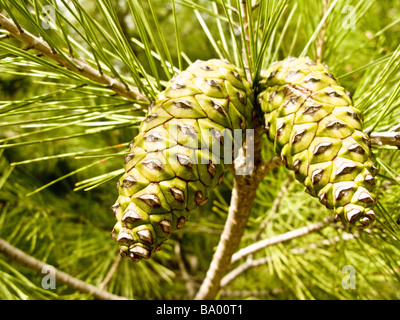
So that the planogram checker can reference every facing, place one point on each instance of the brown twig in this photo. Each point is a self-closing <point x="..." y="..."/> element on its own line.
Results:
<point x="391" y="138"/>
<point x="281" y="238"/>
<point x="61" y="277"/>
<point x="251" y="293"/>
<point x="246" y="54"/>
<point x="80" y="66"/>
<point x="274" y="208"/>
<point x="110" y="273"/>
<point x="266" y="166"/>
<point x="190" y="284"/>
<point x="243" y="195"/>
<point x="249" y="263"/>
<point x="262" y="226"/>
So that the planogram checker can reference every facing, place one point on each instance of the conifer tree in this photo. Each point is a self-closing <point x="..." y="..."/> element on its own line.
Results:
<point x="137" y="93"/>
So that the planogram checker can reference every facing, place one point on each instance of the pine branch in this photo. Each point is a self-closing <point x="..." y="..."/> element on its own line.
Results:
<point x="250" y="263"/>
<point x="243" y="195"/>
<point x="281" y="238"/>
<point x="61" y="277"/>
<point x="246" y="53"/>
<point x="110" y="273"/>
<point x="78" y="65"/>
<point x="266" y="166"/>
<point x="391" y="138"/>
<point x="321" y="38"/>
<point x="251" y="293"/>
<point x="274" y="208"/>
<point x="190" y="284"/>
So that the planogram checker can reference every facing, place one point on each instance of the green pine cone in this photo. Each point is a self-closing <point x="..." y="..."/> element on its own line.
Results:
<point x="318" y="133"/>
<point x="179" y="155"/>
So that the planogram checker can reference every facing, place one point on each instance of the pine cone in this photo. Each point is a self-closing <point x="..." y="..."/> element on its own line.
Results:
<point x="178" y="155"/>
<point x="318" y="133"/>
